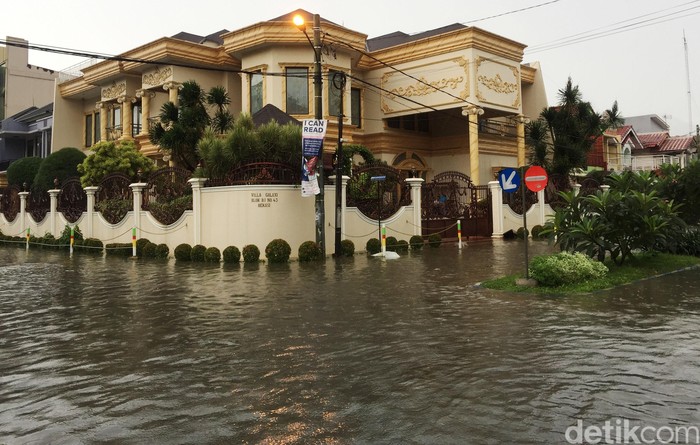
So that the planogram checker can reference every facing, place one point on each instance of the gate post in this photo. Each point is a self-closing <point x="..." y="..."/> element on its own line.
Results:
<point x="540" y="201"/>
<point x="496" y="209"/>
<point x="344" y="182"/>
<point x="137" y="191"/>
<point x="197" y="184"/>
<point x="90" y="192"/>
<point x="53" y="212"/>
<point x="23" y="223"/>
<point x="416" y="199"/>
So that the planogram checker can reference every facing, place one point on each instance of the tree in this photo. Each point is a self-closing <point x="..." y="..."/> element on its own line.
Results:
<point x="22" y="171"/>
<point x="61" y="165"/>
<point x="182" y="126"/>
<point x="110" y="157"/>
<point x="564" y="134"/>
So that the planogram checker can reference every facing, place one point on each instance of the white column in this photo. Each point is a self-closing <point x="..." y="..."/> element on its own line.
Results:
<point x="23" y="211"/>
<point x="53" y="195"/>
<point x="146" y="96"/>
<point x="417" y="201"/>
<point x="172" y="88"/>
<point x="90" y="192"/>
<point x="126" y="122"/>
<point x="137" y="190"/>
<point x="577" y="189"/>
<point x="496" y="209"/>
<point x="344" y="204"/>
<point x="540" y="201"/>
<point x="197" y="185"/>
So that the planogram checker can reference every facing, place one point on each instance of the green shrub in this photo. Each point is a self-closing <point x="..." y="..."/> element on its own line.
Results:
<point x="183" y="252"/>
<point x="197" y="253"/>
<point x="231" y="254"/>
<point x="162" y="251"/>
<point x="114" y="209"/>
<point x="536" y="232"/>
<point x="113" y="157"/>
<point x="91" y="245"/>
<point x="416" y="242"/>
<point x="401" y="246"/>
<point x="140" y="244"/>
<point x="61" y="165"/>
<point x="119" y="249"/>
<point x="434" y="240"/>
<point x="212" y="255"/>
<point x="565" y="268"/>
<point x="149" y="250"/>
<point x="251" y="253"/>
<point x="309" y="251"/>
<point x="23" y="171"/>
<point x="64" y="239"/>
<point x="373" y="246"/>
<point x="391" y="243"/>
<point x="347" y="247"/>
<point x="520" y="233"/>
<point x="278" y="251"/>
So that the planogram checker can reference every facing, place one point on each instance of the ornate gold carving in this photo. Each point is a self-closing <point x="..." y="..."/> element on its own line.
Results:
<point x="424" y="87"/>
<point x="158" y="76"/>
<point x="464" y="63"/>
<point x="113" y="91"/>
<point x="498" y="85"/>
<point x="145" y="93"/>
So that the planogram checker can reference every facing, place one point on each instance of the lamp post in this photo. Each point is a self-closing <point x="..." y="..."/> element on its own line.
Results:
<point x="319" y="205"/>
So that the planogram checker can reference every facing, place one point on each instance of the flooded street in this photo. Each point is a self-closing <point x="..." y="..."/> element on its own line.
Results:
<point x="111" y="350"/>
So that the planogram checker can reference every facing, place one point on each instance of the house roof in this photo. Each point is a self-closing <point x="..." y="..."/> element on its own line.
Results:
<point x="194" y="38"/>
<point x="653" y="140"/>
<point x="398" y="37"/>
<point x="676" y="144"/>
<point x="270" y="113"/>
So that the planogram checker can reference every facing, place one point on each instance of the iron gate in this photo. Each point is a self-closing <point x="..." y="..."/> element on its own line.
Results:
<point x="451" y="196"/>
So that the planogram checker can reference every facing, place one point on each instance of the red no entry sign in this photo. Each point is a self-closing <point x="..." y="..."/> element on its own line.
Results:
<point x="535" y="178"/>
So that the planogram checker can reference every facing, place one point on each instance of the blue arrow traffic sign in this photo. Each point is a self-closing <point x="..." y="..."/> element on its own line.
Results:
<point x="509" y="178"/>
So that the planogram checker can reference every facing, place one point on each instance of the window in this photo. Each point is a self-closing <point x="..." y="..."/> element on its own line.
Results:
<point x="297" y="90"/>
<point x="136" y="119"/>
<point x="3" y="71"/>
<point x="256" y="92"/>
<point x="356" y="107"/>
<point x="98" y="130"/>
<point x="334" y="92"/>
<point x="88" y="130"/>
<point x="413" y="122"/>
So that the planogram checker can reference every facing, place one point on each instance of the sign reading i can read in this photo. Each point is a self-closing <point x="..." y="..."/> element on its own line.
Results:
<point x="536" y="178"/>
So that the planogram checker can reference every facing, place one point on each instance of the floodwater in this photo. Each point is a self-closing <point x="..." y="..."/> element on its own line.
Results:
<point x="367" y="351"/>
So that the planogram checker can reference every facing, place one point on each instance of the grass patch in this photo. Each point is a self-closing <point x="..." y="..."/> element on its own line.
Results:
<point x="636" y="268"/>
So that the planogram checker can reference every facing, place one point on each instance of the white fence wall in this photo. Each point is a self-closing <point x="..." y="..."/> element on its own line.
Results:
<point x="229" y="216"/>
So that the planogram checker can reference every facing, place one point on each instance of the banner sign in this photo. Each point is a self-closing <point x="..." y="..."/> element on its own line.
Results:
<point x="312" y="134"/>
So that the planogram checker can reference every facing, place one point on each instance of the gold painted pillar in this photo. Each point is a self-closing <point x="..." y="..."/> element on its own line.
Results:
<point x="473" y="112"/>
<point x="104" y="116"/>
<point x="172" y="88"/>
<point x="126" y="117"/>
<point x="145" y="96"/>
<point x="520" y="122"/>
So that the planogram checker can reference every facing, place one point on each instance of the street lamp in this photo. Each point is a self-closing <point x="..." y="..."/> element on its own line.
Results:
<point x="318" y="103"/>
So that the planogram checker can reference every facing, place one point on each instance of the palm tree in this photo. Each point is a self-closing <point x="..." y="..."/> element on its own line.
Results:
<point x="222" y="120"/>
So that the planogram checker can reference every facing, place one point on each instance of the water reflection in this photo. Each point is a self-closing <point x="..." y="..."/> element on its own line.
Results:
<point x="363" y="351"/>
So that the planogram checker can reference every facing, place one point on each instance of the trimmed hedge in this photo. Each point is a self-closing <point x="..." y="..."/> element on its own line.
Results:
<point x="251" y="253"/>
<point x="162" y="251"/>
<point x="391" y="243"/>
<point x="309" y="251"/>
<point x="197" y="253"/>
<point x="434" y="240"/>
<point x="347" y="247"/>
<point x="231" y="254"/>
<point x="278" y="251"/>
<point x="416" y="242"/>
<point x="373" y="246"/>
<point x="118" y="249"/>
<point x="183" y="252"/>
<point x="212" y="255"/>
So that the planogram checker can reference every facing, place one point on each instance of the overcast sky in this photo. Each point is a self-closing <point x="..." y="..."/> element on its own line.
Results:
<point x="632" y="51"/>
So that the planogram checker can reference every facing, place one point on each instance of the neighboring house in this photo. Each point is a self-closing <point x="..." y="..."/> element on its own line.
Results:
<point x="27" y="133"/>
<point x="659" y="148"/>
<point x="453" y="98"/>
<point x="22" y="85"/>
<point x="648" y="123"/>
<point x="613" y="150"/>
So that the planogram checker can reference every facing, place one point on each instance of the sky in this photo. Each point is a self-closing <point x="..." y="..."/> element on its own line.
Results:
<point x="631" y="51"/>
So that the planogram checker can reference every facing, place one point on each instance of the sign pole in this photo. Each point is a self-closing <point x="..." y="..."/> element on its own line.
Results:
<point x="522" y="185"/>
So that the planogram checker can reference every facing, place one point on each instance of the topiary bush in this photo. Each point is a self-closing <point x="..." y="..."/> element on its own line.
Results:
<point x="140" y="244"/>
<point x="416" y="242"/>
<point x="391" y="243"/>
<point x="373" y="246"/>
<point x="23" y="171"/>
<point x="113" y="157"/>
<point x="536" y="232"/>
<point x="565" y="268"/>
<point x="309" y="251"/>
<point x="521" y="233"/>
<point x="278" y="251"/>
<point x="64" y="239"/>
<point x="118" y="249"/>
<point x="212" y="255"/>
<point x="347" y="247"/>
<point x="90" y="245"/>
<point x="162" y="251"/>
<point x="401" y="246"/>
<point x="61" y="165"/>
<point x="197" y="253"/>
<point x="149" y="250"/>
<point x="251" y="253"/>
<point x="183" y="252"/>
<point x="434" y="240"/>
<point x="231" y="254"/>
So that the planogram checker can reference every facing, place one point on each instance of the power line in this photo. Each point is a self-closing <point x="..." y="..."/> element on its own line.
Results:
<point x="510" y="12"/>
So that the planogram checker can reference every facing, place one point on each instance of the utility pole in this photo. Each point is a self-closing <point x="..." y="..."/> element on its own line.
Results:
<point x="318" y="104"/>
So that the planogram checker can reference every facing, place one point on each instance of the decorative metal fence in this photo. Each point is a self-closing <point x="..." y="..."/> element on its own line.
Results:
<point x="39" y="205"/>
<point x="168" y="194"/>
<point x="9" y="202"/>
<point x="259" y="173"/>
<point x="378" y="199"/>
<point x="114" y="197"/>
<point x="72" y="200"/>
